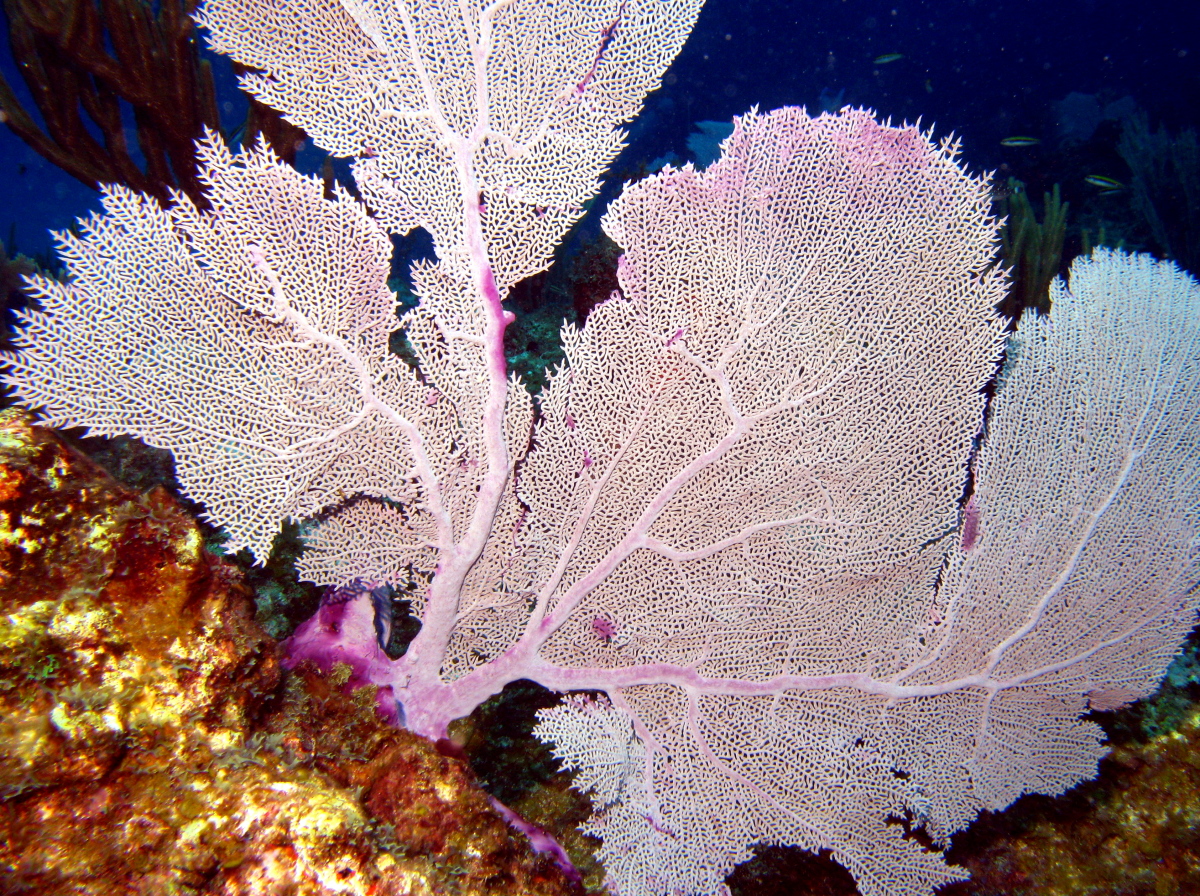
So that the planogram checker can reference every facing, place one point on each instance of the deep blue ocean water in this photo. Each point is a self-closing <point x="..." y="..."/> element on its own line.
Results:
<point x="1065" y="73"/>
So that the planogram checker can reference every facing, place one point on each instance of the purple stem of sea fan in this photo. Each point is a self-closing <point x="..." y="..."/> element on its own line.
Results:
<point x="343" y="631"/>
<point x="542" y="842"/>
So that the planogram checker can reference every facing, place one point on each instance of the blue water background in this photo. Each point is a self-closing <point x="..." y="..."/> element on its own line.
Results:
<point x="985" y="70"/>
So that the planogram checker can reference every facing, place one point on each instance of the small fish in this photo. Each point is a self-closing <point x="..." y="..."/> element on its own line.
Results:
<point x="1110" y="184"/>
<point x="888" y="57"/>
<point x="1020" y="141"/>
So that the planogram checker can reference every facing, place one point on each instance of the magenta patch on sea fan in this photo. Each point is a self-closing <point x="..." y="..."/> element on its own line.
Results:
<point x="970" y="528"/>
<point x="604" y="628"/>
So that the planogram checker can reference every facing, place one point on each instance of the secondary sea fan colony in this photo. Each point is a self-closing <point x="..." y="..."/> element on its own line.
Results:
<point x="735" y="511"/>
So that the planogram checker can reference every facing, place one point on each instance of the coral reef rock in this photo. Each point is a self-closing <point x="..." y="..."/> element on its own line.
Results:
<point x="149" y="742"/>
